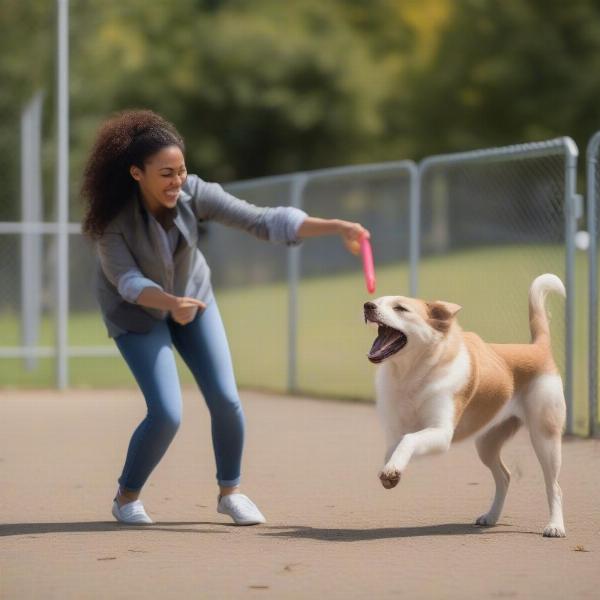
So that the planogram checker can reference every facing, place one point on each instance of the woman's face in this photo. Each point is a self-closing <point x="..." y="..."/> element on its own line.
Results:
<point x="161" y="179"/>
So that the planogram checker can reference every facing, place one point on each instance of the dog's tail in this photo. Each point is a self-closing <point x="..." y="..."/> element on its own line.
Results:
<point x="538" y="319"/>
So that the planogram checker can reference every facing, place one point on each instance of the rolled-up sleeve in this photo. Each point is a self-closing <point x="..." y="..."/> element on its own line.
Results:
<point x="132" y="283"/>
<point x="278" y="224"/>
<point x="284" y="223"/>
<point x="120" y="268"/>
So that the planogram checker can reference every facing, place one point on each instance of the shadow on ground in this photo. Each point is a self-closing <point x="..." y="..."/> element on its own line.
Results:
<point x="36" y="529"/>
<point x="360" y="535"/>
<point x="289" y="532"/>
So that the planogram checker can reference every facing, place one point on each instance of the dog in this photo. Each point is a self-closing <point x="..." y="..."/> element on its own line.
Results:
<point x="436" y="384"/>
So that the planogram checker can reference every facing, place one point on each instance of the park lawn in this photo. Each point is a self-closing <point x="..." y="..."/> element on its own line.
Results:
<point x="332" y="338"/>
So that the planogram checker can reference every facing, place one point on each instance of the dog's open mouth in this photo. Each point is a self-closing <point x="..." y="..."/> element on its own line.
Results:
<point x="388" y="342"/>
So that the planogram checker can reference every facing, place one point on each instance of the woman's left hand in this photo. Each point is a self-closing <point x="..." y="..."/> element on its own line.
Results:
<point x="184" y="309"/>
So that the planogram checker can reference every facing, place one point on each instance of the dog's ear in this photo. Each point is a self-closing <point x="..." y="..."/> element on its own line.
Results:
<point x="441" y="314"/>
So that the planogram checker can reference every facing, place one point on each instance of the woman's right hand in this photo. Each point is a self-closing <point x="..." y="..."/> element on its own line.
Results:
<point x="351" y="233"/>
<point x="184" y="309"/>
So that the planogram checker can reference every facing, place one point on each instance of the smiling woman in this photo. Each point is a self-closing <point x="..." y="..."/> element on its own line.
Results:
<point x="161" y="179"/>
<point x="155" y="293"/>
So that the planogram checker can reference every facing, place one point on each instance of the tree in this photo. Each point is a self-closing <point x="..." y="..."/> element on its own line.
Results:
<point x="26" y="47"/>
<point x="256" y="88"/>
<point x="505" y="71"/>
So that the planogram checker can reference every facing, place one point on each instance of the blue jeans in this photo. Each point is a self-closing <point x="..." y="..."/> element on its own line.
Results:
<point x="203" y="346"/>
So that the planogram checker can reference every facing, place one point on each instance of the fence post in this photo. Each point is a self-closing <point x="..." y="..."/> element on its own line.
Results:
<point x="573" y="213"/>
<point x="591" y="169"/>
<point x="415" y="226"/>
<point x="298" y="185"/>
<point x="31" y="212"/>
<point x="62" y="195"/>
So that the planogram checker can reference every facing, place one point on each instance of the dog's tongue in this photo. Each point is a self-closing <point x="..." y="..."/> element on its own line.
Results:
<point x="385" y="336"/>
<point x="384" y="345"/>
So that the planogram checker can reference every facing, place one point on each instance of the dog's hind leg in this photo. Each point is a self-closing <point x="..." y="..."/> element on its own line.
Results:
<point x="545" y="409"/>
<point x="548" y="451"/>
<point x="488" y="448"/>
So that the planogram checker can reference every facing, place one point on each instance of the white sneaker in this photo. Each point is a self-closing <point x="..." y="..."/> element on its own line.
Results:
<point x="241" y="509"/>
<point x="132" y="513"/>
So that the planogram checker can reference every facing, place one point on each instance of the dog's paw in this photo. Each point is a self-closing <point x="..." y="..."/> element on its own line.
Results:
<point x="554" y="531"/>
<point x="389" y="478"/>
<point x="486" y="520"/>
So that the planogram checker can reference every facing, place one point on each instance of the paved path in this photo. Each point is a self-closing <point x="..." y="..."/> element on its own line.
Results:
<point x="332" y="531"/>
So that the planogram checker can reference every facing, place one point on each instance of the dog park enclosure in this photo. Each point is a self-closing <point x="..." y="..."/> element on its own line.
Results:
<point x="474" y="228"/>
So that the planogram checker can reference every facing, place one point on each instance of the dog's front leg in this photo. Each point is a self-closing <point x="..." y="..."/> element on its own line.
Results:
<point x="426" y="441"/>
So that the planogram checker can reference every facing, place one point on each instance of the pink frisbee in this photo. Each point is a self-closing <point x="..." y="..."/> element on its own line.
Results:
<point x="367" y="261"/>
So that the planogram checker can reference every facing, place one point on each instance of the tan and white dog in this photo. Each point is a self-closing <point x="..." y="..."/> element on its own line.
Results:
<point x="436" y="383"/>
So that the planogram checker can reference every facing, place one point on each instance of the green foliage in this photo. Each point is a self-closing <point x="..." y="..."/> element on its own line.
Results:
<point x="26" y="45"/>
<point x="506" y="71"/>
<point x="260" y="87"/>
<point x="256" y="88"/>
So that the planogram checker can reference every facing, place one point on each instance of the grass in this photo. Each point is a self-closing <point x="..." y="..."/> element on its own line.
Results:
<point x="490" y="283"/>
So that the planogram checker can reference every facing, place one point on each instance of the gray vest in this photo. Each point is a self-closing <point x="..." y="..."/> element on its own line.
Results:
<point x="129" y="243"/>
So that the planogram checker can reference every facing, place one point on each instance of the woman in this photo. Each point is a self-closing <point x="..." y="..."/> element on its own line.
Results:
<point x="154" y="290"/>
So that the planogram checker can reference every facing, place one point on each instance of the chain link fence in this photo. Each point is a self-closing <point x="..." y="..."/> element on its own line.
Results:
<point x="493" y="220"/>
<point x="289" y="310"/>
<point x="332" y="339"/>
<point x="250" y="279"/>
<point x="482" y="225"/>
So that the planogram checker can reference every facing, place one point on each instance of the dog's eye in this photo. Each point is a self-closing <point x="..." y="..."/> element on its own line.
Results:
<point x="400" y="308"/>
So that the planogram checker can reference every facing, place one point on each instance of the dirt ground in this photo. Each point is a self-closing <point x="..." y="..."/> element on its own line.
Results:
<point x="311" y="466"/>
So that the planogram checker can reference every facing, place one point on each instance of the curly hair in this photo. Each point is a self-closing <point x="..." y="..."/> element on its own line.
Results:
<point x="127" y="138"/>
